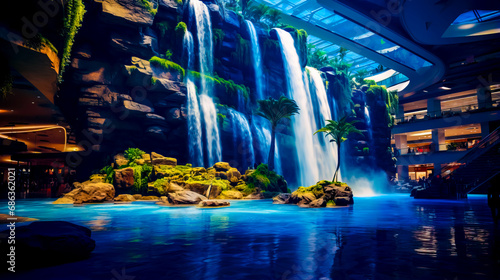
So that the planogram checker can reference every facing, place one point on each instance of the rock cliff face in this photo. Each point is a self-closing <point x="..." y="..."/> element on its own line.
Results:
<point x="115" y="98"/>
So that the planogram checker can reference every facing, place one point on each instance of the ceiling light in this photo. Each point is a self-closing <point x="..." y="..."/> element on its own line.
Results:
<point x="422" y="133"/>
<point x="466" y="26"/>
<point x="444" y="88"/>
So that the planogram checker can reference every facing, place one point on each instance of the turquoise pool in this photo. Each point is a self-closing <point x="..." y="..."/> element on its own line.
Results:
<point x="382" y="237"/>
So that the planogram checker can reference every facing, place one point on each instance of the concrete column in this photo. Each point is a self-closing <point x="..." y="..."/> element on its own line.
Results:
<point x="434" y="107"/>
<point x="485" y="129"/>
<point x="438" y="140"/>
<point x="401" y="143"/>
<point x="403" y="172"/>
<point x="484" y="98"/>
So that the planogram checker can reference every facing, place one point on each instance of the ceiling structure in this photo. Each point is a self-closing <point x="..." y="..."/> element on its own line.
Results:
<point x="434" y="43"/>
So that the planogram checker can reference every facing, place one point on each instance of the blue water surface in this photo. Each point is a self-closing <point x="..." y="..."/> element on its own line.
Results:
<point x="382" y="237"/>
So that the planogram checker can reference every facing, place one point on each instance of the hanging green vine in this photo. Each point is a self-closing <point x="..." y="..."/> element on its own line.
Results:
<point x="75" y="9"/>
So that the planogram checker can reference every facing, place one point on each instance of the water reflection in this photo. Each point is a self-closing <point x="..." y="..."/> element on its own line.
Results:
<point x="385" y="237"/>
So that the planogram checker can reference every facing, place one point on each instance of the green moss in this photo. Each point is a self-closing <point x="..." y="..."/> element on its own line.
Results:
<point x="317" y="189"/>
<point x="221" y="118"/>
<point x="266" y="180"/>
<point x="168" y="54"/>
<point x="153" y="81"/>
<point x="230" y="87"/>
<point x="167" y="65"/>
<point x="331" y="203"/>
<point x="142" y="173"/>
<point x="75" y="10"/>
<point x="218" y="36"/>
<point x="180" y="29"/>
<point x="146" y="4"/>
<point x="179" y="2"/>
<point x="243" y="54"/>
<point x="163" y="27"/>
<point x="160" y="185"/>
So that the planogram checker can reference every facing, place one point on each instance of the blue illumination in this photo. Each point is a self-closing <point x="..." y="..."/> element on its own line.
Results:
<point x="475" y="16"/>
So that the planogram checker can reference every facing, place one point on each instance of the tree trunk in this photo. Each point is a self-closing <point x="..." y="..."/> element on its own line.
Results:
<point x="338" y="162"/>
<point x="270" y="159"/>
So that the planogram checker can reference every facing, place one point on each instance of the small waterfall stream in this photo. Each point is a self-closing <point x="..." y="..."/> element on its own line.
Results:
<point x="257" y="59"/>
<point x="242" y="139"/>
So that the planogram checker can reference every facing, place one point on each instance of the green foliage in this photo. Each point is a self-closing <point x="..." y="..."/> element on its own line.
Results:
<point x="75" y="9"/>
<point x="167" y="65"/>
<point x="391" y="99"/>
<point x="132" y="154"/>
<point x="168" y="54"/>
<point x="142" y="173"/>
<point x="270" y="47"/>
<point x="180" y="29"/>
<point x="266" y="180"/>
<point x="366" y="150"/>
<point x="180" y="2"/>
<point x="243" y="53"/>
<point x="276" y="110"/>
<point x="163" y="27"/>
<point x="261" y="13"/>
<point x="220" y="118"/>
<point x="231" y="88"/>
<point x="149" y="6"/>
<point x="331" y="203"/>
<point x="317" y="190"/>
<point x="110" y="173"/>
<point x="153" y="81"/>
<point x="160" y="185"/>
<point x="218" y="36"/>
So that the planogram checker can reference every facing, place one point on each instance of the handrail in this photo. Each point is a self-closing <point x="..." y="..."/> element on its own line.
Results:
<point x="484" y="182"/>
<point x="488" y="141"/>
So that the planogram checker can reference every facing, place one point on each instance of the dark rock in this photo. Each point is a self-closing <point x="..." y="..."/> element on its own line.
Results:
<point x="175" y="116"/>
<point x="164" y="161"/>
<point x="98" y="96"/>
<point x="320" y="202"/>
<point x="342" y="201"/>
<point x="136" y="44"/>
<point x="4" y="219"/>
<point x="93" y="72"/>
<point x="222" y="166"/>
<point x="168" y="86"/>
<point x="282" y="198"/>
<point x="221" y="174"/>
<point x="42" y="244"/>
<point x="137" y="108"/>
<point x="156" y="133"/>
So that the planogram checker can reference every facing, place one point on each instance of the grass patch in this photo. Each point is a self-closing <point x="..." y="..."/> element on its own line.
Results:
<point x="231" y="88"/>
<point x="167" y="65"/>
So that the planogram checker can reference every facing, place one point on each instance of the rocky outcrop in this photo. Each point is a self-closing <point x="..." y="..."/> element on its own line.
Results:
<point x="88" y="192"/>
<point x="320" y="195"/>
<point x="158" y="159"/>
<point x="213" y="203"/>
<point x="185" y="197"/>
<point x="125" y="198"/>
<point x="42" y="244"/>
<point x="124" y="178"/>
<point x="230" y="195"/>
<point x="128" y="13"/>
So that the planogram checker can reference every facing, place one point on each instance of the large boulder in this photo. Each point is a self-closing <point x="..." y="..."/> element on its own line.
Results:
<point x="233" y="175"/>
<point x="222" y="166"/>
<point x="158" y="159"/>
<point x="124" y="178"/>
<point x="255" y="195"/>
<point x="125" y="198"/>
<point x="301" y="197"/>
<point x="119" y="160"/>
<point x="342" y="201"/>
<point x="88" y="192"/>
<point x="213" y="203"/>
<point x="282" y="198"/>
<point x="320" y="202"/>
<point x="333" y="191"/>
<point x="48" y="243"/>
<point x="185" y="197"/>
<point x="230" y="195"/>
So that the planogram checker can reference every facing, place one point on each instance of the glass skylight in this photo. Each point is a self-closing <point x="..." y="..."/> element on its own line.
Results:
<point x="475" y="16"/>
<point x="312" y="12"/>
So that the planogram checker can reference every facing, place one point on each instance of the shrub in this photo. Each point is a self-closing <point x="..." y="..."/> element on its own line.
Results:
<point x="266" y="180"/>
<point x="146" y="4"/>
<point x="168" y="54"/>
<point x="132" y="154"/>
<point x="110" y="173"/>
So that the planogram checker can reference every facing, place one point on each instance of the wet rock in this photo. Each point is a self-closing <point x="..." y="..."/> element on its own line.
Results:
<point x="124" y="178"/>
<point x="221" y="174"/>
<point x="137" y="108"/>
<point x="342" y="201"/>
<point x="164" y="161"/>
<point x="282" y="198"/>
<point x="214" y="203"/>
<point x="88" y="192"/>
<point x="255" y="196"/>
<point x="301" y="198"/>
<point x="320" y="202"/>
<point x="185" y="197"/>
<point x="137" y="196"/>
<point x="136" y="44"/>
<point x="42" y="244"/>
<point x="150" y="197"/>
<point x="119" y="160"/>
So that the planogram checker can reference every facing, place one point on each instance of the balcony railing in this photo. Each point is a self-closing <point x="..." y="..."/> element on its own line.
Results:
<point x="429" y="149"/>
<point x="450" y="112"/>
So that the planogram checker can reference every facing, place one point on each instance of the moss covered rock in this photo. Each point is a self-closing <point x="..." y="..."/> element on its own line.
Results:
<point x="233" y="194"/>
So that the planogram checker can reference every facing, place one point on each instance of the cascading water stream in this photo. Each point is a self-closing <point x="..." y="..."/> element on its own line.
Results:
<point x="256" y="58"/>
<point x="326" y="152"/>
<point x="304" y="124"/>
<point x="262" y="136"/>
<point x="242" y="139"/>
<point x="200" y="16"/>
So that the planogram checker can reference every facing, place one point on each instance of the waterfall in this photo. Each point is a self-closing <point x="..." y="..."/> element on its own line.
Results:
<point x="242" y="139"/>
<point x="262" y="137"/>
<point x="304" y="124"/>
<point x="326" y="152"/>
<point x="200" y="20"/>
<point x="214" y="152"/>
<point x="194" y="126"/>
<point x="257" y="59"/>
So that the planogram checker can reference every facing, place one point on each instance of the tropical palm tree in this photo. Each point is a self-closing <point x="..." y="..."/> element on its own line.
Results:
<point x="339" y="131"/>
<point x="274" y="111"/>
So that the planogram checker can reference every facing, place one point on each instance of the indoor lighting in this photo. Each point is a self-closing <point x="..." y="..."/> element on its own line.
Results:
<point x="466" y="26"/>
<point x="422" y="133"/>
<point x="445" y="88"/>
